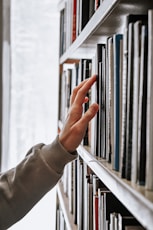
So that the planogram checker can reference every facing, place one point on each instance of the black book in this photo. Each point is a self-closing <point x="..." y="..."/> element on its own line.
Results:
<point x="142" y="106"/>
<point x="84" y="13"/>
<point x="86" y="74"/>
<point x="98" y="96"/>
<point x="101" y="98"/>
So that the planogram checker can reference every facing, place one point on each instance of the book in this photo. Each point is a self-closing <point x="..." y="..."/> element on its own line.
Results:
<point x="91" y="8"/>
<point x="89" y="202"/>
<point x="112" y="221"/>
<point x="98" y="203"/>
<point x="74" y="15"/>
<point x="101" y="207"/>
<point x="80" y="193"/>
<point x="93" y="122"/>
<point x="129" y="110"/>
<point x="95" y="202"/>
<point x="70" y="186"/>
<point x="85" y="195"/>
<point x="86" y="67"/>
<point x="75" y="191"/>
<point x="84" y="14"/>
<point x="124" y="105"/>
<point x="136" y="89"/>
<point x="117" y="44"/>
<point x="69" y="15"/>
<point x="136" y="82"/>
<point x="102" y="95"/>
<point x="149" y="153"/>
<point x="98" y="96"/>
<point x="101" y="115"/>
<point x="109" y="100"/>
<point x="142" y="106"/>
<point x="78" y="18"/>
<point x="62" y="44"/>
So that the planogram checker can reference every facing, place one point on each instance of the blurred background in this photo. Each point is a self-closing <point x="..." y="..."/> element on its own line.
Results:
<point x="29" y="89"/>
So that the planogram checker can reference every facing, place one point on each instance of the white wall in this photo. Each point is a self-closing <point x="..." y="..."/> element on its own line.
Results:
<point x="34" y="90"/>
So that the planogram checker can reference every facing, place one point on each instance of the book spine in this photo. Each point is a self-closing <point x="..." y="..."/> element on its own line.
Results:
<point x="74" y="32"/>
<point x="117" y="78"/>
<point x="149" y="164"/>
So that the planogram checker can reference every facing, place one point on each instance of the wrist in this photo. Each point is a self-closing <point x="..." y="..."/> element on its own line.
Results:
<point x="63" y="142"/>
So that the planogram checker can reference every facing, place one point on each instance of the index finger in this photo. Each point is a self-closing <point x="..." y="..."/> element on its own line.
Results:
<point x="75" y="91"/>
<point x="79" y="99"/>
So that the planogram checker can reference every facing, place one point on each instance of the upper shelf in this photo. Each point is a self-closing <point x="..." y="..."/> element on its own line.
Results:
<point x="106" y="21"/>
<point x="137" y="199"/>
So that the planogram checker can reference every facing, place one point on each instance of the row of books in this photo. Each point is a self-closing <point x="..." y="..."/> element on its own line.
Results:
<point x="124" y="66"/>
<point x="122" y="131"/>
<point x="92" y="204"/>
<point x="73" y="18"/>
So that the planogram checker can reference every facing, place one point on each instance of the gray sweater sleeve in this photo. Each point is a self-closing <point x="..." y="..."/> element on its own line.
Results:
<point x="23" y="186"/>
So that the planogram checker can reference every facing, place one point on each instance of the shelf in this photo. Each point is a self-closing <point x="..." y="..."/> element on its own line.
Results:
<point x="137" y="200"/>
<point x="107" y="20"/>
<point x="64" y="202"/>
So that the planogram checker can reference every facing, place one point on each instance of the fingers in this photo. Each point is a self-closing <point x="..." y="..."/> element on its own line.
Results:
<point x="81" y="90"/>
<point x="84" y="90"/>
<point x="89" y="114"/>
<point x="75" y="91"/>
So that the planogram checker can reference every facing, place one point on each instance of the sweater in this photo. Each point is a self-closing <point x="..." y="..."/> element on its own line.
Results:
<point x="23" y="186"/>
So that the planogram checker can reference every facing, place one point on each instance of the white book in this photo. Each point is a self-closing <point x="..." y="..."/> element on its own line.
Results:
<point x="149" y="147"/>
<point x="70" y="186"/>
<point x="109" y="100"/>
<point x="90" y="204"/>
<point x="93" y="99"/>
<point x="68" y="23"/>
<point x="124" y="100"/>
<point x="101" y="219"/>
<point x="85" y="195"/>
<point x="79" y="193"/>
<point x="112" y="221"/>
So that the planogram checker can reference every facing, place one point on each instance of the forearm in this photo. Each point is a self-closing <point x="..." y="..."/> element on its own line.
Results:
<point x="22" y="187"/>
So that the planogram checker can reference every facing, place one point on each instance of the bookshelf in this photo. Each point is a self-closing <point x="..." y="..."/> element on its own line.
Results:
<point x="108" y="19"/>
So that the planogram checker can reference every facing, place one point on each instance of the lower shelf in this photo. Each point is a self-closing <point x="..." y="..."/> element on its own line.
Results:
<point x="135" y="198"/>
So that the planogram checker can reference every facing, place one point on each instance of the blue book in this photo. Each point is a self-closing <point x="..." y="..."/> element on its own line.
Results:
<point x="118" y="58"/>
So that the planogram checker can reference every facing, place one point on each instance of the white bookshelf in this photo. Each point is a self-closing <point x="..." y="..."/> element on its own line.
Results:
<point x="107" y="20"/>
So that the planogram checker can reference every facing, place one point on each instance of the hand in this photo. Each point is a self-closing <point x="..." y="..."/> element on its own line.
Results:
<point x="76" y="123"/>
